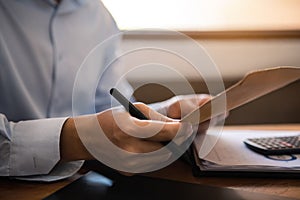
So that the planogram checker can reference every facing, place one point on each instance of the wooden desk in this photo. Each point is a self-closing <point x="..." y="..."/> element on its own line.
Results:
<point x="12" y="189"/>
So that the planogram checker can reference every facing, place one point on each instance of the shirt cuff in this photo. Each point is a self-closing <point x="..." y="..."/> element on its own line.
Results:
<point x="35" y="146"/>
<point x="59" y="172"/>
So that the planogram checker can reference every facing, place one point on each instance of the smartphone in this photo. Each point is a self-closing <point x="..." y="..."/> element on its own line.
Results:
<point x="275" y="145"/>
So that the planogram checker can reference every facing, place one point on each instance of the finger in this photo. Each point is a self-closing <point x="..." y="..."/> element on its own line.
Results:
<point x="174" y="110"/>
<point x="161" y="129"/>
<point x="185" y="104"/>
<point x="196" y="99"/>
<point x="149" y="129"/>
<point x="140" y="146"/>
<point x="152" y="114"/>
<point x="171" y="130"/>
<point x="128" y="126"/>
<point x="203" y="98"/>
<point x="152" y="130"/>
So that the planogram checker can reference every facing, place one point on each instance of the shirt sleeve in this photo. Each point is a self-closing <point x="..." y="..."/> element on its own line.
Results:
<point x="31" y="147"/>
<point x="114" y="75"/>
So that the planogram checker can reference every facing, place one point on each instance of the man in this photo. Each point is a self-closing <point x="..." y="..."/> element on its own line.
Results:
<point x="42" y="45"/>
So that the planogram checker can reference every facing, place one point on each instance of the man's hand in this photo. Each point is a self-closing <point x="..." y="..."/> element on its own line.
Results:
<point x="124" y="132"/>
<point x="179" y="106"/>
<point x="135" y="135"/>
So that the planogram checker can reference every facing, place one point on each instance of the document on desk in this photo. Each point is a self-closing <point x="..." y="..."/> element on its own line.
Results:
<point x="231" y="154"/>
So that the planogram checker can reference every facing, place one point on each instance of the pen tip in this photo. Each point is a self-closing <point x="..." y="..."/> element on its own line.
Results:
<point x="111" y="90"/>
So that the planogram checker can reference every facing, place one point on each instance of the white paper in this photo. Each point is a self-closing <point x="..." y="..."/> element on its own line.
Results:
<point x="231" y="153"/>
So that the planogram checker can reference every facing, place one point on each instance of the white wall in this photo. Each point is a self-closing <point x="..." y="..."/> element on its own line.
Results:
<point x="234" y="57"/>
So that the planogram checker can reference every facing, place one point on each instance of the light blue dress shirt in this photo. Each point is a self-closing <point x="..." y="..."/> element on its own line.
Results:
<point x="42" y="45"/>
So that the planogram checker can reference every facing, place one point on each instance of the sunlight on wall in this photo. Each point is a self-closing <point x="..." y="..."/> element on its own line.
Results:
<point x="206" y="14"/>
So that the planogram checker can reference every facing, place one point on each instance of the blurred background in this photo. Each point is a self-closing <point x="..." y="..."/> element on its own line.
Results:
<point x="239" y="35"/>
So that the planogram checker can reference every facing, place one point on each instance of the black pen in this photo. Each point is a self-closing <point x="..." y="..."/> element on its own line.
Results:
<point x="133" y="111"/>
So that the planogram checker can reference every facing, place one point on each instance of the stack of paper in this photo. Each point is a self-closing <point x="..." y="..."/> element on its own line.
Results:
<point x="230" y="153"/>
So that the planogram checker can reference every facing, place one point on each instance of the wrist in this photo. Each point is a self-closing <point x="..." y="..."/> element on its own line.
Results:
<point x="71" y="147"/>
